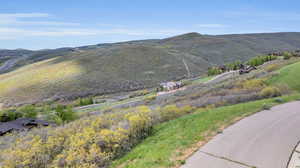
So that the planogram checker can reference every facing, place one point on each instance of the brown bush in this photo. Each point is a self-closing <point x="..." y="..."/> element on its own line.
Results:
<point x="253" y="84"/>
<point x="270" y="92"/>
<point x="272" y="67"/>
<point x="150" y="98"/>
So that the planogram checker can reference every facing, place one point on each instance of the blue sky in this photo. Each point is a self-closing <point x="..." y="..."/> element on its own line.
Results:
<point x="39" y="24"/>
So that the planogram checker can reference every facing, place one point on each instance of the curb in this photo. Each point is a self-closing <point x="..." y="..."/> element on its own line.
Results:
<point x="294" y="161"/>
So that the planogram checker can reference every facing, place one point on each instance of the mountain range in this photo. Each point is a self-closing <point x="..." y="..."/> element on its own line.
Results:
<point x="28" y="76"/>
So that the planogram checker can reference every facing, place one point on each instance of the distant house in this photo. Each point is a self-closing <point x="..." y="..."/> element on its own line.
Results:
<point x="168" y="86"/>
<point x="296" y="53"/>
<point x="247" y="69"/>
<point x="21" y="124"/>
<point x="276" y="53"/>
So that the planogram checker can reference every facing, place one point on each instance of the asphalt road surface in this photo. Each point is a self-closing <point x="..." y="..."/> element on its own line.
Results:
<point x="264" y="140"/>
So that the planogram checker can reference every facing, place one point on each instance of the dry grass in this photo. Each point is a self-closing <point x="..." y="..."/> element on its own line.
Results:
<point x="38" y="77"/>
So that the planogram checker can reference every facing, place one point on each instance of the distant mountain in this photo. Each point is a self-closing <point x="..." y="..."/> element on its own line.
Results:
<point x="104" y="68"/>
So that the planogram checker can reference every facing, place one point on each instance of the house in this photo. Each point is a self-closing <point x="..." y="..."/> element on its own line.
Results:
<point x="168" y="86"/>
<point x="21" y="124"/>
<point x="276" y="53"/>
<point x="247" y="69"/>
<point x="296" y="53"/>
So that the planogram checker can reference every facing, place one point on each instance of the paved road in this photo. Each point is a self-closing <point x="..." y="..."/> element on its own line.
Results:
<point x="264" y="140"/>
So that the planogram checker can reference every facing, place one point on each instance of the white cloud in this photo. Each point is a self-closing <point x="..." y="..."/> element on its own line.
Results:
<point x="24" y="15"/>
<point x="14" y="26"/>
<point x="264" y="15"/>
<point x="14" y="33"/>
<point x="44" y="23"/>
<point x="17" y="19"/>
<point x="211" y="26"/>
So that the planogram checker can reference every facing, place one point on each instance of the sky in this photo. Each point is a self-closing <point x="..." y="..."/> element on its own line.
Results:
<point x="45" y="24"/>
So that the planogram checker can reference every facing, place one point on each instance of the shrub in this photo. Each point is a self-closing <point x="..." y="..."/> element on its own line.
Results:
<point x="85" y="101"/>
<point x="89" y="142"/>
<point x="278" y="100"/>
<point x="28" y="111"/>
<point x="3" y="117"/>
<point x="172" y="111"/>
<point x="270" y="92"/>
<point x="259" y="60"/>
<point x="54" y="118"/>
<point x="266" y="106"/>
<point x="272" y="67"/>
<point x="9" y="115"/>
<point x="284" y="88"/>
<point x="186" y="109"/>
<point x="253" y="84"/>
<point x="66" y="114"/>
<point x="139" y="93"/>
<point x="233" y="66"/>
<point x="150" y="98"/>
<point x="214" y="71"/>
<point x="169" y="112"/>
<point x="287" y="55"/>
<point x="46" y="109"/>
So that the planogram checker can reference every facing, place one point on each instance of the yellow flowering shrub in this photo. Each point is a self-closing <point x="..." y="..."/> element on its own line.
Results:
<point x="252" y="84"/>
<point x="88" y="142"/>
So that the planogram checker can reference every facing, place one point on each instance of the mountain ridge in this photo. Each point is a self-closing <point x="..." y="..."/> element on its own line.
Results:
<point x="67" y="73"/>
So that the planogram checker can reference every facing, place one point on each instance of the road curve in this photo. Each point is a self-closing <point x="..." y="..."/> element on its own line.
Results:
<point x="264" y="140"/>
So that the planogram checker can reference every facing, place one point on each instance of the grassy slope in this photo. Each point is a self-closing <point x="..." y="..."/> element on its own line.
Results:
<point x="288" y="75"/>
<point x="202" y="80"/>
<point x="33" y="81"/>
<point x="125" y="66"/>
<point x="171" y="139"/>
<point x="90" y="72"/>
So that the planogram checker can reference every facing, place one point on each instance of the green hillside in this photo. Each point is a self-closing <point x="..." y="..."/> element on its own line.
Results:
<point x="67" y="73"/>
<point x="156" y="133"/>
<point x="288" y="76"/>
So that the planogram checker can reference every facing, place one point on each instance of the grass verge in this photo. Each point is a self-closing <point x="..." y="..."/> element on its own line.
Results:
<point x="202" y="80"/>
<point x="173" y="141"/>
<point x="288" y="75"/>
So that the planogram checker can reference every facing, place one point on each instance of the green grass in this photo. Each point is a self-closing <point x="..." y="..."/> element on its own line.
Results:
<point x="288" y="75"/>
<point x="202" y="80"/>
<point x="109" y="105"/>
<point x="173" y="137"/>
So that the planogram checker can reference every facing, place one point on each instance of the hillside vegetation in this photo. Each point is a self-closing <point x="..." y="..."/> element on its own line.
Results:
<point x="98" y="138"/>
<point x="172" y="142"/>
<point x="289" y="76"/>
<point x="67" y="73"/>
